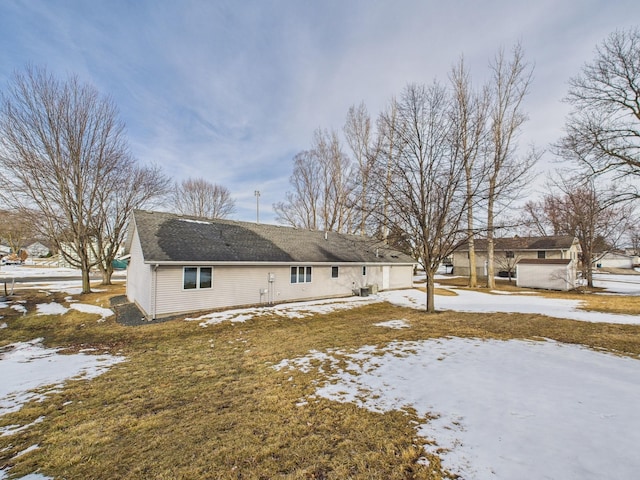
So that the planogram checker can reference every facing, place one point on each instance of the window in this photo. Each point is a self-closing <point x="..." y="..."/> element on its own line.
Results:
<point x="364" y="270"/>
<point x="197" y="277"/>
<point x="542" y="254"/>
<point x="334" y="272"/>
<point x="300" y="274"/>
<point x="508" y="254"/>
<point x="190" y="277"/>
<point x="205" y="277"/>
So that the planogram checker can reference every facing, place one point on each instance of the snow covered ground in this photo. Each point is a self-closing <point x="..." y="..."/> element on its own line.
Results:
<point x="29" y="371"/>
<point x="506" y="409"/>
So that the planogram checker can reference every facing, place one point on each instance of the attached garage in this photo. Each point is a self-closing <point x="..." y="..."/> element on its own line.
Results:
<point x="549" y="274"/>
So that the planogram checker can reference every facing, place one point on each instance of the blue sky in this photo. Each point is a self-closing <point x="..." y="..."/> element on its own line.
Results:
<point x="230" y="91"/>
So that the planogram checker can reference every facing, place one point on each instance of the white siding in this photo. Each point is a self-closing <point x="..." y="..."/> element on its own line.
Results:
<point x="236" y="285"/>
<point x="550" y="277"/>
<point x="400" y="277"/>
<point x="139" y="278"/>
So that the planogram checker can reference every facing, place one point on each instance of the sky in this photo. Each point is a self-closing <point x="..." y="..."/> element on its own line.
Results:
<point x="230" y="91"/>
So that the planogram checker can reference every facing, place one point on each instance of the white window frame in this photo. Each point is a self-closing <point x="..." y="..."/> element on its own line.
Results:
<point x="198" y="285"/>
<point x="304" y="274"/>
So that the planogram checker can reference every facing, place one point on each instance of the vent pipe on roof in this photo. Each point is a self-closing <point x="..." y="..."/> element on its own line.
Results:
<point x="376" y="253"/>
<point x="326" y="235"/>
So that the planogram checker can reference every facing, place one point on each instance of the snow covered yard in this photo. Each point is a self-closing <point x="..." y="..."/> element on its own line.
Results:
<point x="488" y="408"/>
<point x="503" y="409"/>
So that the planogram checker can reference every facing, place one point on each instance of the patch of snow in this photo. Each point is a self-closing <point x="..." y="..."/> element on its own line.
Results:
<point x="286" y="310"/>
<point x="13" y="429"/>
<point x="625" y="284"/>
<point x="19" y="308"/>
<point x="30" y="476"/>
<point x="503" y="409"/>
<point x="27" y="366"/>
<point x="481" y="302"/>
<point x="52" y="308"/>
<point x="395" y="324"/>
<point x="3" y="325"/>
<point x="187" y="220"/>
<point x="86" y="308"/>
<point x="27" y="450"/>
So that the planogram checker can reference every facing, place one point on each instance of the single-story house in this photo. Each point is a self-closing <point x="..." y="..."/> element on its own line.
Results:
<point x="616" y="259"/>
<point x="508" y="251"/>
<point x="551" y="274"/>
<point x="180" y="264"/>
<point x="37" y="249"/>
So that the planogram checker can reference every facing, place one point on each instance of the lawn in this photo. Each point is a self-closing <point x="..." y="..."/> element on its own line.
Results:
<point x="207" y="402"/>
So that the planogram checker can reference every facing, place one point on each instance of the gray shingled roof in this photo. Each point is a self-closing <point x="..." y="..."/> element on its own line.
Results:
<point x="552" y="242"/>
<point x="166" y="237"/>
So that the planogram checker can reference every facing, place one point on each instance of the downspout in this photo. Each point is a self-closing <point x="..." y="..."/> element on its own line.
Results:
<point x="154" y="291"/>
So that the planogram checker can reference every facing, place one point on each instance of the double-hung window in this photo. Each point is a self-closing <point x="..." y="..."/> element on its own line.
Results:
<point x="542" y="254"/>
<point x="300" y="274"/>
<point x="334" y="272"/>
<point x="197" y="277"/>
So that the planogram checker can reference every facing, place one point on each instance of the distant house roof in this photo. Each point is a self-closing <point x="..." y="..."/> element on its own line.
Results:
<point x="544" y="261"/>
<point x="553" y="242"/>
<point x="170" y="238"/>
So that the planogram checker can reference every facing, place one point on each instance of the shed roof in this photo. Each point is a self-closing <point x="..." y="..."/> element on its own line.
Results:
<point x="552" y="242"/>
<point x="545" y="261"/>
<point x="168" y="238"/>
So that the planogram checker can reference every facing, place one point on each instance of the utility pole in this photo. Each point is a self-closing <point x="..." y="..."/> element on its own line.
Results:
<point x="257" y="194"/>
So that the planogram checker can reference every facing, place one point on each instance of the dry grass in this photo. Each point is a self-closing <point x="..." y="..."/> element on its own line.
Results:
<point x="193" y="402"/>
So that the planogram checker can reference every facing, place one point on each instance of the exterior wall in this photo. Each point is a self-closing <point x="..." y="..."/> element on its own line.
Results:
<point x="550" y="277"/>
<point x="461" y="260"/>
<point x="236" y="285"/>
<point x="399" y="277"/>
<point x="613" y="260"/>
<point x="139" y="278"/>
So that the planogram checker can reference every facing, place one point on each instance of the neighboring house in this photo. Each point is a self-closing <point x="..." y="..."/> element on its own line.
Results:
<point x="68" y="249"/>
<point x="550" y="274"/>
<point x="184" y="264"/>
<point x="616" y="259"/>
<point x="37" y="249"/>
<point x="509" y="251"/>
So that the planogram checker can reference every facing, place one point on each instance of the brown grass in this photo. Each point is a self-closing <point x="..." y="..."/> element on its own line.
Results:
<point x="193" y="402"/>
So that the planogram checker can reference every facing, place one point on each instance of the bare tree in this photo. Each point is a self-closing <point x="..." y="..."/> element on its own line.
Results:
<point x="509" y="86"/>
<point x="603" y="129"/>
<point x="15" y="229"/>
<point x="357" y="131"/>
<point x="469" y="122"/>
<point x="591" y="214"/>
<point x="200" y="198"/>
<point x="386" y="152"/>
<point x="507" y="263"/>
<point x="322" y="181"/>
<point x="134" y="186"/>
<point x="426" y="191"/>
<point x="302" y="205"/>
<point x="62" y="152"/>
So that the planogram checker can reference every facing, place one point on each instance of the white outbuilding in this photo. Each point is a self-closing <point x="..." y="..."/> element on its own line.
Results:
<point x="547" y="273"/>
